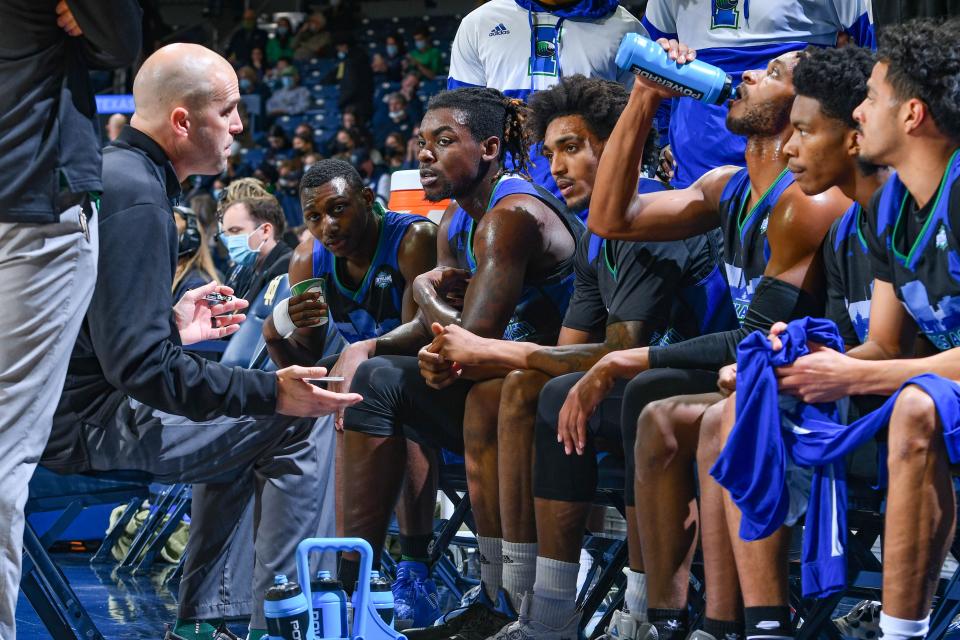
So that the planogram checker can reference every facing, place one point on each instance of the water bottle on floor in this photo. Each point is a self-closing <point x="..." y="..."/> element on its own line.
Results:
<point x="381" y="596"/>
<point x="698" y="80"/>
<point x="287" y="611"/>
<point x="329" y="607"/>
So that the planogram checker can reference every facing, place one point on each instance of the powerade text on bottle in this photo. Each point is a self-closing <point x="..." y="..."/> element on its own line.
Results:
<point x="381" y="597"/>
<point x="329" y="607"/>
<point x="697" y="80"/>
<point x="287" y="611"/>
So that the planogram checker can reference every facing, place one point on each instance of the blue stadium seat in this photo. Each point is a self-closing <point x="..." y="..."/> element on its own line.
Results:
<point x="246" y="347"/>
<point x="253" y="157"/>
<point x="290" y="123"/>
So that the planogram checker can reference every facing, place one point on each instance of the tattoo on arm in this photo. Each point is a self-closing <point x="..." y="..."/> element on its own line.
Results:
<point x="557" y="361"/>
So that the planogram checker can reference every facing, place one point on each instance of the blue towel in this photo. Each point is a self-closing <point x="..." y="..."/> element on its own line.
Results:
<point x="753" y="464"/>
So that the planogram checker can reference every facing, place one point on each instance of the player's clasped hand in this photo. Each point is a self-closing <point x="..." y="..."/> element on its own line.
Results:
<point x="437" y="371"/>
<point x="307" y="309"/>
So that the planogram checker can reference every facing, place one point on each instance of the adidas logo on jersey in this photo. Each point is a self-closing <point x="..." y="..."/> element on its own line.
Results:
<point x="499" y="30"/>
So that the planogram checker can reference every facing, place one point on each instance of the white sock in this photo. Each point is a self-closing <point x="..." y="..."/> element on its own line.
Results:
<point x="491" y="565"/>
<point x="554" y="592"/>
<point x="901" y="629"/>
<point x="636" y="595"/>
<point x="586" y="562"/>
<point x="519" y="569"/>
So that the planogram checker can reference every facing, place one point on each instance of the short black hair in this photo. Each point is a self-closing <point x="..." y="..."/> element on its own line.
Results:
<point x="489" y="113"/>
<point x="599" y="102"/>
<point x="265" y="209"/>
<point x="835" y="78"/>
<point x="923" y="58"/>
<point x="326" y="170"/>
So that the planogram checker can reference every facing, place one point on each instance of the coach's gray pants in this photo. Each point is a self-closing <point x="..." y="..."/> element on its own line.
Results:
<point x="47" y="274"/>
<point x="285" y="464"/>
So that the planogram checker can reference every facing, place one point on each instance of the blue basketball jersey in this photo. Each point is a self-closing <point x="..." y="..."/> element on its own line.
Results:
<point x="542" y="303"/>
<point x="746" y="250"/>
<point x="376" y="306"/>
<point x="846" y="262"/>
<point x="919" y="253"/>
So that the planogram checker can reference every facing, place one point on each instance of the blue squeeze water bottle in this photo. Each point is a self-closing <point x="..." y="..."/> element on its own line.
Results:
<point x="698" y="80"/>
<point x="329" y="607"/>
<point x="286" y="610"/>
<point x="381" y="597"/>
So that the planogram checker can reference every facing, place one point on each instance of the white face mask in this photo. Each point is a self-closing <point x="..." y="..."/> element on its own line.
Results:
<point x="395" y="115"/>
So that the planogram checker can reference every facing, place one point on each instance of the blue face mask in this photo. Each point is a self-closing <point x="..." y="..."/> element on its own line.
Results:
<point x="287" y="82"/>
<point x="392" y="50"/>
<point x="245" y="85"/>
<point x="282" y="31"/>
<point x="341" y="55"/>
<point x="420" y="44"/>
<point x="238" y="247"/>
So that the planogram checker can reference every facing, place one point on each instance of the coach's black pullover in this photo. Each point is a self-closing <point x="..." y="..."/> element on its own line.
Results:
<point x="129" y="344"/>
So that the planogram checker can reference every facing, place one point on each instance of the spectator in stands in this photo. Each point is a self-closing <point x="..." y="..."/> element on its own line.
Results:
<point x="396" y="117"/>
<point x="289" y="174"/>
<point x="353" y="76"/>
<point x="303" y="129"/>
<point x="394" y="52"/>
<point x="281" y="44"/>
<point x="250" y="84"/>
<point x="50" y="163"/>
<point x="115" y="124"/>
<point x="310" y="159"/>
<point x="425" y="59"/>
<point x="312" y="39"/>
<point x="247" y="37"/>
<point x="394" y="149"/>
<point x="290" y="98"/>
<point x="379" y="68"/>
<point x="272" y="77"/>
<point x="258" y="62"/>
<point x="342" y="144"/>
<point x="194" y="262"/>
<point x="251" y="229"/>
<point x="375" y="175"/>
<point x="303" y="144"/>
<point x="279" y="145"/>
<point x="412" y="156"/>
<point x="409" y="87"/>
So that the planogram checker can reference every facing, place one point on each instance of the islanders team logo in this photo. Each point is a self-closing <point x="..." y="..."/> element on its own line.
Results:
<point x="544" y="61"/>
<point x="724" y="14"/>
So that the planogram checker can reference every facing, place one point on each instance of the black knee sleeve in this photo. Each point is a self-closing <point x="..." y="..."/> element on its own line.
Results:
<point x="558" y="476"/>
<point x="650" y="386"/>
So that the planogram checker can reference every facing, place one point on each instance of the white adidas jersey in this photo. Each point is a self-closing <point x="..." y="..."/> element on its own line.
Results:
<point x="710" y="24"/>
<point x="494" y="48"/>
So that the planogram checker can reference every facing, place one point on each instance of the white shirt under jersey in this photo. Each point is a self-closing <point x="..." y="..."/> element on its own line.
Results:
<point x="494" y="47"/>
<point x="739" y="35"/>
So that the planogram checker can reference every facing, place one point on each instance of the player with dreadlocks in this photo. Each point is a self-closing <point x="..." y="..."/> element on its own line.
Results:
<point x="627" y="294"/>
<point x="505" y="269"/>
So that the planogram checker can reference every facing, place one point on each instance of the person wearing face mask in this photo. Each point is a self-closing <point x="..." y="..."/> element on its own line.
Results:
<point x="281" y="44"/>
<point x="396" y="117"/>
<point x="353" y="76"/>
<point x="394" y="50"/>
<point x="250" y="85"/>
<point x="425" y="58"/>
<point x="247" y="37"/>
<point x="251" y="230"/>
<point x="290" y="97"/>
